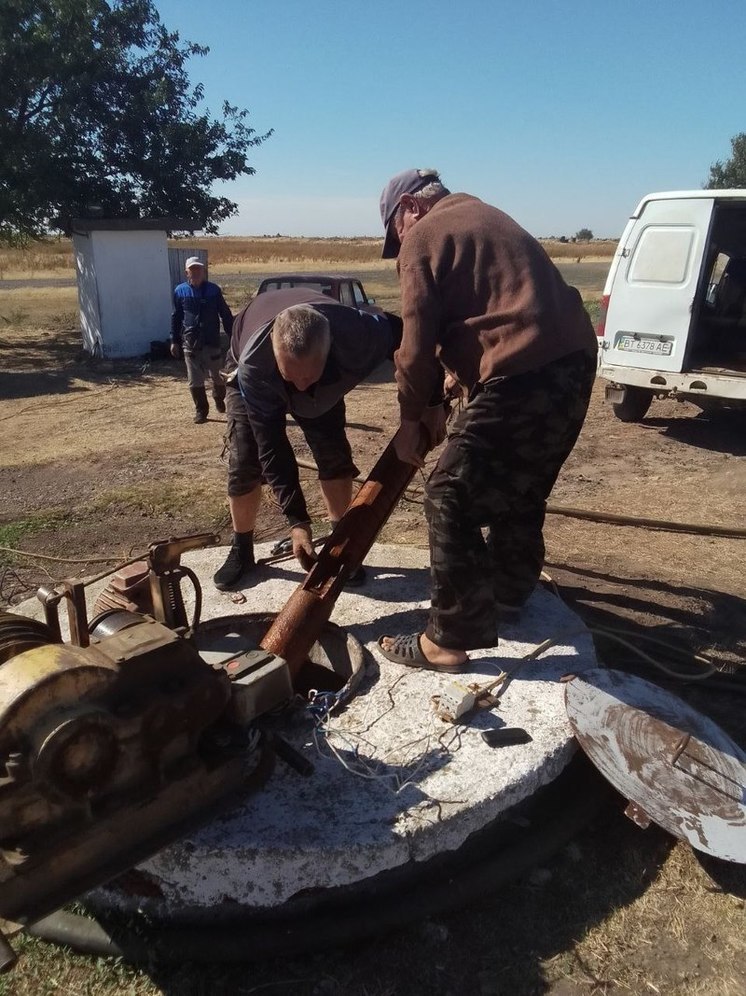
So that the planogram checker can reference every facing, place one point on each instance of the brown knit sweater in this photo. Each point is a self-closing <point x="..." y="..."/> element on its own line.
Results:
<point x="481" y="295"/>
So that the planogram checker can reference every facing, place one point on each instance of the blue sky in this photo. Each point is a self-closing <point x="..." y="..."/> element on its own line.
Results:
<point x="561" y="113"/>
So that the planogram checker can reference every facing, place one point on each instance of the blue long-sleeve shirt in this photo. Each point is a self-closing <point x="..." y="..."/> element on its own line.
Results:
<point x="198" y="311"/>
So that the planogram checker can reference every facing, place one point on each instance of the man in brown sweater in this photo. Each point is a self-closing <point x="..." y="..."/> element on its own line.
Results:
<point x="482" y="302"/>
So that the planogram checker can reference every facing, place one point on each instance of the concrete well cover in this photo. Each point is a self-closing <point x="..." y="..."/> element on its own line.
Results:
<point x="676" y="766"/>
<point x="392" y="783"/>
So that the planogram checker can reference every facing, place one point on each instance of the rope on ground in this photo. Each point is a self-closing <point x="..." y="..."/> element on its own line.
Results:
<point x="414" y="494"/>
<point x="62" y="560"/>
<point x="696" y="528"/>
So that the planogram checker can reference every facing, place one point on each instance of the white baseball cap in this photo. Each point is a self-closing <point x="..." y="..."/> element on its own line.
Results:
<point x="193" y="261"/>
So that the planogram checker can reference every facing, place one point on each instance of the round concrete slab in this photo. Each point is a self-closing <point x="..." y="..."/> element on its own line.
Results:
<point x="393" y="784"/>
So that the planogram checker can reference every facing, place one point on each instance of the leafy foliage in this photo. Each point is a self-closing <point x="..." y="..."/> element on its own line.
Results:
<point x="584" y="235"/>
<point x="732" y="172"/>
<point x="96" y="108"/>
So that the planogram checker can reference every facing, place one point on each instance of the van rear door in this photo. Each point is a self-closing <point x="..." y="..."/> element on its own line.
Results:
<point x="653" y="290"/>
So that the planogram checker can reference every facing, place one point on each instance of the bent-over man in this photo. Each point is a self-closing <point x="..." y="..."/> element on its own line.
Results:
<point x="482" y="299"/>
<point x="294" y="352"/>
<point x="199" y="308"/>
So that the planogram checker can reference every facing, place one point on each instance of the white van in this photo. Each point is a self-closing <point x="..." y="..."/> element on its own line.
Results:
<point x="673" y="320"/>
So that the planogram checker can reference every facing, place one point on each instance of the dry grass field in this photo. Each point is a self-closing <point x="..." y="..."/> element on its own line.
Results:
<point x="53" y="257"/>
<point x="98" y="458"/>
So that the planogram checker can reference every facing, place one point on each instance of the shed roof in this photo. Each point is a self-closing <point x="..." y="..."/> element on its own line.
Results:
<point x="134" y="225"/>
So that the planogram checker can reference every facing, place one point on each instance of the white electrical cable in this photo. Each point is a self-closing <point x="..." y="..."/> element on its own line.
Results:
<point x="368" y="768"/>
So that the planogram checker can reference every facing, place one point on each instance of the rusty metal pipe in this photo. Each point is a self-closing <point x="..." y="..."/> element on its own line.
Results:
<point x="297" y="626"/>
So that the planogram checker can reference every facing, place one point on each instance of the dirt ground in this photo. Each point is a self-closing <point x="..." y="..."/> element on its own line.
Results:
<point x="97" y="460"/>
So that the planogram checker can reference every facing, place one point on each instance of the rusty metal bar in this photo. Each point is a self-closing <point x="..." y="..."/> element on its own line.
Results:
<point x="297" y="626"/>
<point x="77" y="615"/>
<point x="50" y="599"/>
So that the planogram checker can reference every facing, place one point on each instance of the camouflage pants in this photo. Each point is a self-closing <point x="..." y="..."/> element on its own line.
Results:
<point x="485" y="500"/>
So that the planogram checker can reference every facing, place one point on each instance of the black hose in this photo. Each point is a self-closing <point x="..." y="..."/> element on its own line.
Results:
<point x="567" y="805"/>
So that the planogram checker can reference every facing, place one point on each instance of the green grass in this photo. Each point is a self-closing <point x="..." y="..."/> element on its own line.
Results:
<point x="593" y="307"/>
<point x="45" y="970"/>
<point x="13" y="533"/>
<point x="155" y="499"/>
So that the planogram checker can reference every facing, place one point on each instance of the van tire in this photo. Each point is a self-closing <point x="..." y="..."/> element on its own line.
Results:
<point x="635" y="406"/>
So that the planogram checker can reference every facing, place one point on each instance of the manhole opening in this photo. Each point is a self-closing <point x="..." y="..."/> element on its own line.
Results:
<point x="335" y="663"/>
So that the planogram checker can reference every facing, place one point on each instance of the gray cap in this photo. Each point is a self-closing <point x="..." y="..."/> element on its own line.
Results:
<point x="193" y="261"/>
<point x="410" y="181"/>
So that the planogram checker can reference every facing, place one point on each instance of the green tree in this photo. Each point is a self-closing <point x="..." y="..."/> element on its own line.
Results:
<point x="732" y="172"/>
<point x="584" y="235"/>
<point x="96" y="108"/>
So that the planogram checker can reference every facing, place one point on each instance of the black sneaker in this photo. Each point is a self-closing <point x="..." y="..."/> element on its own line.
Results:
<point x="219" y="404"/>
<point x="237" y="563"/>
<point x="200" y="418"/>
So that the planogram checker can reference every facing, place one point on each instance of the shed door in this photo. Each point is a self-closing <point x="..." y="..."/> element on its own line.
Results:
<point x="651" y="301"/>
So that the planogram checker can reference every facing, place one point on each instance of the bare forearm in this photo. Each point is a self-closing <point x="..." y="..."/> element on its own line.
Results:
<point x="337" y="496"/>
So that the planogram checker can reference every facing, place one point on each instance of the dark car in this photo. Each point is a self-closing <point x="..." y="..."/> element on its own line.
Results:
<point x="343" y="288"/>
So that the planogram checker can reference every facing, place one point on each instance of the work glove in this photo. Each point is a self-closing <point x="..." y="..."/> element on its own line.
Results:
<point x="303" y="546"/>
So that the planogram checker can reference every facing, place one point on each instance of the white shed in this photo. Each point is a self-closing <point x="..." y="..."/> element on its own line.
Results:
<point x="124" y="284"/>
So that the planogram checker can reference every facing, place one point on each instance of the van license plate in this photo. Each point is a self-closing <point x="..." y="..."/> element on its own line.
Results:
<point x="632" y="345"/>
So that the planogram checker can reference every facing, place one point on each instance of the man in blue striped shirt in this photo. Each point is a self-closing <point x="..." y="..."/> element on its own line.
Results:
<point x="199" y="307"/>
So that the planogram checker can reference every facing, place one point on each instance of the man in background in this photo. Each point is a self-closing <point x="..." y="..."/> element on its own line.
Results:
<point x="199" y="308"/>
<point x="481" y="299"/>
<point x="294" y="352"/>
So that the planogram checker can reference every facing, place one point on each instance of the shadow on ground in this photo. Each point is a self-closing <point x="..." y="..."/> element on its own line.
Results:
<point x="688" y="620"/>
<point x="720" y="432"/>
<point x="17" y="384"/>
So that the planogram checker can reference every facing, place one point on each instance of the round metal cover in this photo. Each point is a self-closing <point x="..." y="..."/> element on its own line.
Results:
<point x="676" y="766"/>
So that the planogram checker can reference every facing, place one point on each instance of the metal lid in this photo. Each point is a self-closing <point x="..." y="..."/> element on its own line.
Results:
<point x="676" y="766"/>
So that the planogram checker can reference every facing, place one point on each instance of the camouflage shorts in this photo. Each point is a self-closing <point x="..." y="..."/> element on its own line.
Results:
<point x="485" y="500"/>
<point x="325" y="435"/>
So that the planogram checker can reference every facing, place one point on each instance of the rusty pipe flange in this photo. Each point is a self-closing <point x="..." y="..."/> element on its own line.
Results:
<point x="19" y="633"/>
<point x="112" y="621"/>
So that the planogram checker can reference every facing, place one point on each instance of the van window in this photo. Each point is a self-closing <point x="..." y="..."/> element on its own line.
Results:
<point x="662" y="255"/>
<point x="718" y="269"/>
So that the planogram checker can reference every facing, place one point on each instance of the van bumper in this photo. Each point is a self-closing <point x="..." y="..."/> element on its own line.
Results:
<point x="721" y="384"/>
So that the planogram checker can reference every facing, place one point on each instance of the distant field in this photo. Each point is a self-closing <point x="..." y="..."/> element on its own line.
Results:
<point x="51" y="257"/>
